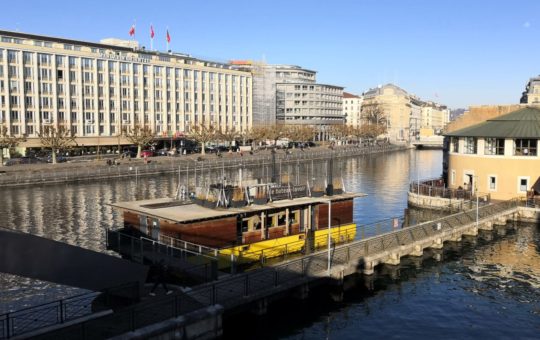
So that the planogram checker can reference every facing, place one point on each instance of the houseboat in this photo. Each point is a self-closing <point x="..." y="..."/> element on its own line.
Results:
<point x="246" y="223"/>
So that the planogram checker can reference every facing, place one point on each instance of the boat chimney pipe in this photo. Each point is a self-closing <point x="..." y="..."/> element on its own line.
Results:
<point x="330" y="179"/>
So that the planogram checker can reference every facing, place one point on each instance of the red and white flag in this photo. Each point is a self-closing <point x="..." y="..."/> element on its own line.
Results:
<point x="151" y="31"/>
<point x="168" y="37"/>
<point x="132" y="30"/>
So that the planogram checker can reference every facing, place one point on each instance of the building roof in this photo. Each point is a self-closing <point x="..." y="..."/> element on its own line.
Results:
<point x="523" y="123"/>
<point x="349" y="95"/>
<point x="177" y="212"/>
<point x="140" y="50"/>
<point x="377" y="91"/>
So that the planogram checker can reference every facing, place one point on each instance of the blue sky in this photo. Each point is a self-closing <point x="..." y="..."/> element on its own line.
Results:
<point x="458" y="53"/>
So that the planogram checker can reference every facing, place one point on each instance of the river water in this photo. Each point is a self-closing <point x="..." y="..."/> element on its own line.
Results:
<point x="482" y="288"/>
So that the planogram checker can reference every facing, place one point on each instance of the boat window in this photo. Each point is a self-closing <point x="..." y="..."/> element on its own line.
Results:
<point x="245" y="225"/>
<point x="281" y="219"/>
<point x="255" y="223"/>
<point x="294" y="217"/>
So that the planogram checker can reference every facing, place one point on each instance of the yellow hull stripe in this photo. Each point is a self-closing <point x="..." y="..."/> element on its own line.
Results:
<point x="287" y="244"/>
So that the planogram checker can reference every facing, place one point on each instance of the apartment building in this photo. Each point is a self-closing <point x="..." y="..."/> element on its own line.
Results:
<point x="352" y="109"/>
<point x="434" y="116"/>
<point x="531" y="95"/>
<point x="396" y="105"/>
<point x="98" y="89"/>
<point x="288" y="94"/>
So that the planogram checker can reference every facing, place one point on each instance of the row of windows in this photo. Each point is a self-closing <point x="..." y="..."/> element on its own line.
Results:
<point x="124" y="67"/>
<point x="523" y="184"/>
<point x="495" y="146"/>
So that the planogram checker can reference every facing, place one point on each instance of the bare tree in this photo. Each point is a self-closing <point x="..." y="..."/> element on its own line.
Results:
<point x="256" y="134"/>
<point x="228" y="135"/>
<point x="339" y="132"/>
<point x="202" y="134"/>
<point x="56" y="139"/>
<point x="372" y="131"/>
<point x="276" y="132"/>
<point x="140" y="136"/>
<point x="373" y="114"/>
<point x="302" y="133"/>
<point x="8" y="142"/>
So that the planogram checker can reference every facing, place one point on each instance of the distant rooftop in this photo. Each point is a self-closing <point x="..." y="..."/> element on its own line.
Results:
<point x="523" y="123"/>
<point x="112" y="44"/>
<point x="349" y="95"/>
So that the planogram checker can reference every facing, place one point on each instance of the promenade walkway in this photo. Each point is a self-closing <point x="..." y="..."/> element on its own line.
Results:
<point x="255" y="289"/>
<point x="30" y="174"/>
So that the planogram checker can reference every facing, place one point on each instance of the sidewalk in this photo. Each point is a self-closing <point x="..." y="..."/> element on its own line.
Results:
<point x="95" y="170"/>
<point x="77" y="163"/>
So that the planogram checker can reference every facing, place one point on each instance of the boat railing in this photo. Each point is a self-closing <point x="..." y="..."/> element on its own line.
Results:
<point x="193" y="248"/>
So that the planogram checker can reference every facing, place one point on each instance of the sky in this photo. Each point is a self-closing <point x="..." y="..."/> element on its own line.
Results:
<point x="458" y="53"/>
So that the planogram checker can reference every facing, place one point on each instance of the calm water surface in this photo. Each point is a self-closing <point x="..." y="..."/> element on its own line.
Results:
<point x="478" y="290"/>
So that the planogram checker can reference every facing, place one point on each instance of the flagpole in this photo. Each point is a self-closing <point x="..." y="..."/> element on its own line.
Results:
<point x="168" y="39"/>
<point x="151" y="37"/>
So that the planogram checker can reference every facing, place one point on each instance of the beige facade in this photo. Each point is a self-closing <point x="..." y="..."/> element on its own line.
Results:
<point x="531" y="95"/>
<point x="503" y="176"/>
<point x="480" y="113"/>
<point x="352" y="109"/>
<point x="499" y="156"/>
<point x="395" y="102"/>
<point x="434" y="116"/>
<point x="97" y="90"/>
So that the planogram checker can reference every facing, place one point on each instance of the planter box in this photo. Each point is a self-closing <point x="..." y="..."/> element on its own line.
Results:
<point x="260" y="201"/>
<point x="198" y="201"/>
<point x="210" y="204"/>
<point x="317" y="193"/>
<point x="238" y="204"/>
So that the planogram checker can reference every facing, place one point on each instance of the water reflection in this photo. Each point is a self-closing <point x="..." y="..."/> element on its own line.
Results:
<point x="79" y="213"/>
<point x="478" y="288"/>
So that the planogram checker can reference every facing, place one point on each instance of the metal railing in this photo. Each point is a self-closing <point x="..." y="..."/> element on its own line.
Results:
<point x="177" y="164"/>
<point x="188" y="246"/>
<point x="434" y="188"/>
<point x="145" y="250"/>
<point x="239" y="289"/>
<point x="52" y="313"/>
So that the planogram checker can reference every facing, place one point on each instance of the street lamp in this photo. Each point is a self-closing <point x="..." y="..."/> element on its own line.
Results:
<point x="329" y="233"/>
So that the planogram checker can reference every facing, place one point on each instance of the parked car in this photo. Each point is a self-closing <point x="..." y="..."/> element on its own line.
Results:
<point x="23" y="160"/>
<point x="147" y="153"/>
<point x="59" y="159"/>
<point x="166" y="152"/>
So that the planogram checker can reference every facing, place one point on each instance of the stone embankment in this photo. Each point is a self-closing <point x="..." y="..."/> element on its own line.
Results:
<point x="32" y="174"/>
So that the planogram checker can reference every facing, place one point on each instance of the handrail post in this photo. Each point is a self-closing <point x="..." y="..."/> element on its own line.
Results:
<point x="246" y="285"/>
<point x="61" y="311"/>
<point x="8" y="326"/>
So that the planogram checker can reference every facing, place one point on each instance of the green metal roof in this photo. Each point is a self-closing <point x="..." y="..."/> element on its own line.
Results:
<point x="523" y="123"/>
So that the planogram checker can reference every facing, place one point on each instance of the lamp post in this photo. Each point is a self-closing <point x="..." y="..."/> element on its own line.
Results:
<point x="477" y="200"/>
<point x="329" y="233"/>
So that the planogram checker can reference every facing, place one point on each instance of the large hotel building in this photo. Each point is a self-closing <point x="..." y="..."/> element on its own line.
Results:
<point x="98" y="89"/>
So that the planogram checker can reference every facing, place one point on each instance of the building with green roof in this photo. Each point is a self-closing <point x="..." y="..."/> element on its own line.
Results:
<point x="498" y="156"/>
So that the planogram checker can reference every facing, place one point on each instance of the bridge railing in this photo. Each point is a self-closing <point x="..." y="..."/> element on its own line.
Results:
<point x="241" y="288"/>
<point x="178" y="164"/>
<point x="44" y="315"/>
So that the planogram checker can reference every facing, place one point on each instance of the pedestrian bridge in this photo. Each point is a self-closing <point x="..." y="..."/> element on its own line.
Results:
<point x="434" y="142"/>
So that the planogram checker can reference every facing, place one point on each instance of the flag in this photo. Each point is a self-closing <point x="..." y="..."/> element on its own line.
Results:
<point x="151" y="31"/>
<point x="168" y="37"/>
<point x="132" y="30"/>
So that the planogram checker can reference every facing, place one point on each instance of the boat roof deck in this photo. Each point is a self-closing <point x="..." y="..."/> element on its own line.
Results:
<point x="177" y="212"/>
